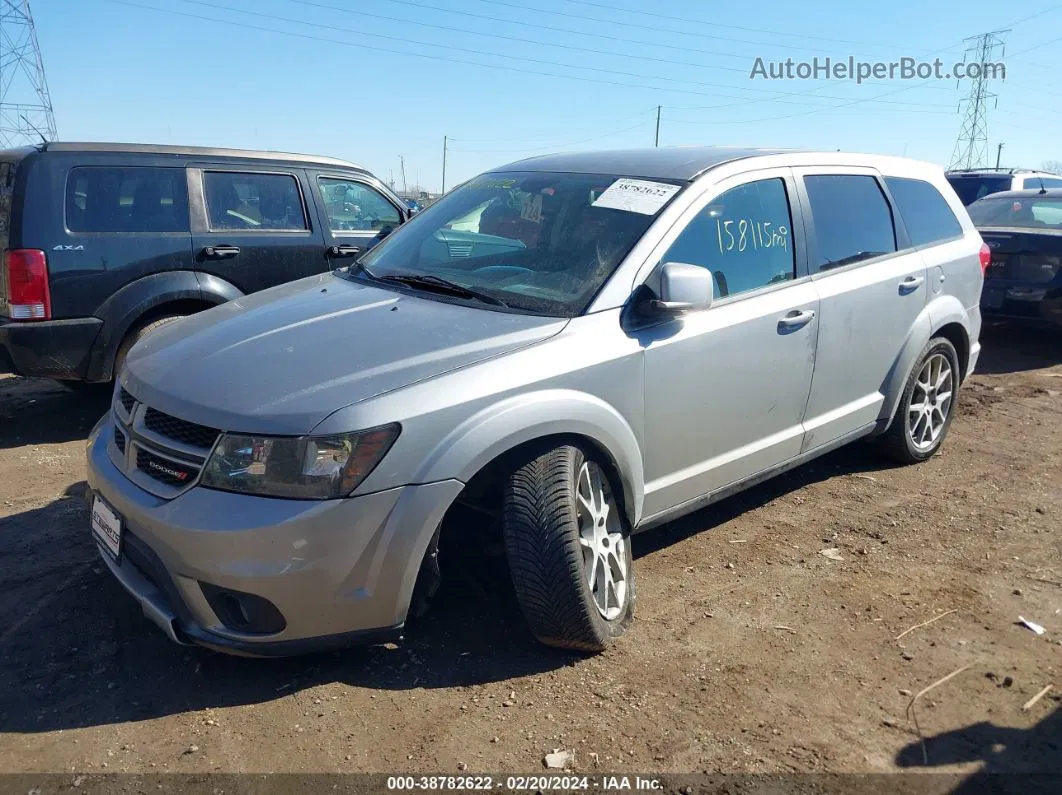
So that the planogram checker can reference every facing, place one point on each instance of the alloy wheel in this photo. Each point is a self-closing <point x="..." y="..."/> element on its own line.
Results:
<point x="931" y="399"/>
<point x="602" y="542"/>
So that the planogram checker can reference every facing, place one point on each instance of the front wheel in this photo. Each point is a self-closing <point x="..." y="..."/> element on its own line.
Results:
<point x="134" y="337"/>
<point x="569" y="552"/>
<point x="927" y="405"/>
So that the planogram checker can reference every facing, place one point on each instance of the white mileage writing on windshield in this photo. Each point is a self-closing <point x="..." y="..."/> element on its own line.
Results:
<point x="743" y="234"/>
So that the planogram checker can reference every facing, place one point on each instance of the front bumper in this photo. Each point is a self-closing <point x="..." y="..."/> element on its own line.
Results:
<point x="339" y="571"/>
<point x="49" y="348"/>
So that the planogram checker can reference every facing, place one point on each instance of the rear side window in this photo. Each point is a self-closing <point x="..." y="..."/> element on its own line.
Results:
<point x="853" y="221"/>
<point x="265" y="202"/>
<point x="106" y="199"/>
<point x="925" y="213"/>
<point x="744" y="237"/>
<point x="1026" y="212"/>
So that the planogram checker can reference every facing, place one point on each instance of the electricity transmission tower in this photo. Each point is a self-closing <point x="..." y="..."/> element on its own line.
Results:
<point x="25" y="105"/>
<point x="971" y="147"/>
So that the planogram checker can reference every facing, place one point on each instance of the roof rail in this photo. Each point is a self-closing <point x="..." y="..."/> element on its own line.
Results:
<point x="194" y="151"/>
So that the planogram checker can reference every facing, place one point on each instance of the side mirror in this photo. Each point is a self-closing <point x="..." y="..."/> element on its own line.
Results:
<point x="683" y="288"/>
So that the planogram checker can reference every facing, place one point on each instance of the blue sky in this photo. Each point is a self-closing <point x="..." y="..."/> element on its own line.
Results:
<point x="370" y="80"/>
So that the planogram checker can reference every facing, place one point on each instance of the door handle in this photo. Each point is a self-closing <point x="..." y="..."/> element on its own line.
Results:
<point x="910" y="284"/>
<point x="795" y="319"/>
<point x="336" y="252"/>
<point x="220" y="252"/>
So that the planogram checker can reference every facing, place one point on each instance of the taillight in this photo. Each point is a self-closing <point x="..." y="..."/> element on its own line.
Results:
<point x="985" y="255"/>
<point x="28" y="296"/>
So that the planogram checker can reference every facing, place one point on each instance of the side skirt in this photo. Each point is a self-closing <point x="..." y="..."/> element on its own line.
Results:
<point x="705" y="500"/>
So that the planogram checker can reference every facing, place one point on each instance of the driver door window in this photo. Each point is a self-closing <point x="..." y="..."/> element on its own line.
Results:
<point x="744" y="237"/>
<point x="355" y="207"/>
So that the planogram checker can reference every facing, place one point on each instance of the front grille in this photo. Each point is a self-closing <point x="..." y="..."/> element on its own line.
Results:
<point x="164" y="470"/>
<point x="126" y="400"/>
<point x="180" y="430"/>
<point x="160" y="453"/>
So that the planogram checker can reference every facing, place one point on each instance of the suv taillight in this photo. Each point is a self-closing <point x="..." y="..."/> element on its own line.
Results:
<point x="985" y="255"/>
<point x="28" y="296"/>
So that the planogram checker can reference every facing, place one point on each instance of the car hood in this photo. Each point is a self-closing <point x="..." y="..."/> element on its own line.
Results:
<point x="282" y="360"/>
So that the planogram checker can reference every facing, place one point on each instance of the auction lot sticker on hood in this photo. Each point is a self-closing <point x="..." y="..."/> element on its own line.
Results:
<point x="636" y="196"/>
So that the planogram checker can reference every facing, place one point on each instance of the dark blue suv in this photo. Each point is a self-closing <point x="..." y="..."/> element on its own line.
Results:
<point x="104" y="242"/>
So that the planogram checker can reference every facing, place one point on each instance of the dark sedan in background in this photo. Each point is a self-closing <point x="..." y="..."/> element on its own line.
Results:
<point x="1023" y="230"/>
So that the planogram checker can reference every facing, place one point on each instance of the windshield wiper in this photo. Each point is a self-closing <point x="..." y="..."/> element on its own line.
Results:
<point x="441" y="285"/>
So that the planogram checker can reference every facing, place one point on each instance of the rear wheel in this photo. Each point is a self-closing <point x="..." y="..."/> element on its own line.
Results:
<point x="569" y="552"/>
<point x="133" y="337"/>
<point x="927" y="405"/>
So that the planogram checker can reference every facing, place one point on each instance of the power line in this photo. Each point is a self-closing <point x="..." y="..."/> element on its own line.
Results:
<point x="540" y="61"/>
<point x="638" y="25"/>
<point x="480" y="65"/>
<point x="597" y="35"/>
<point x="658" y="15"/>
<point x="668" y="46"/>
<point x="523" y="40"/>
<point x="612" y="53"/>
<point x="1036" y="47"/>
<point x="389" y="50"/>
<point x="452" y="48"/>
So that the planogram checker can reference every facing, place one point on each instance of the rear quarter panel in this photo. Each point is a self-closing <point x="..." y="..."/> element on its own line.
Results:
<point x="84" y="269"/>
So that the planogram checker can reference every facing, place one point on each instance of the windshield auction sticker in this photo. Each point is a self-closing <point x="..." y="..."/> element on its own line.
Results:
<point x="636" y="196"/>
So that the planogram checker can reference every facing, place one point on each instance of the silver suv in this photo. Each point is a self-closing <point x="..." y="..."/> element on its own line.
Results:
<point x="577" y="346"/>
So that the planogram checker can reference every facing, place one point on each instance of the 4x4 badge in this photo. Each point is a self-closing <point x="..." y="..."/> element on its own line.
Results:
<point x="68" y="248"/>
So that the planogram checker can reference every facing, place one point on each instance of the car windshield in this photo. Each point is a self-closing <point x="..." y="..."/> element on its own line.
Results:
<point x="1033" y="212"/>
<point x="971" y="187"/>
<point x="535" y="242"/>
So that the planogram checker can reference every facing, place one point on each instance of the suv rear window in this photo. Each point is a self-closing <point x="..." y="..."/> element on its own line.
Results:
<point x="853" y="221"/>
<point x="108" y="199"/>
<point x="971" y="187"/>
<point x="925" y="213"/>
<point x="1027" y="212"/>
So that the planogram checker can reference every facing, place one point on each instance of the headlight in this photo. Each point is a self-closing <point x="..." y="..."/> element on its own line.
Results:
<point x="304" y="467"/>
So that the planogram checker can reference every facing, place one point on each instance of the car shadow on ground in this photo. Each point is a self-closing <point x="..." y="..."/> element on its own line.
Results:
<point x="79" y="653"/>
<point x="852" y="459"/>
<point x="1027" y="761"/>
<point x="1009" y="348"/>
<point x="38" y="411"/>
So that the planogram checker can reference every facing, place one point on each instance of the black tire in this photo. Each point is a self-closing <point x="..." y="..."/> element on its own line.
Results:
<point x="897" y="442"/>
<point x="541" y="528"/>
<point x="133" y="337"/>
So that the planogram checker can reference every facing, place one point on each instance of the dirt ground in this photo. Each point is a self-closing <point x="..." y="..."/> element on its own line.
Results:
<point x="751" y="652"/>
